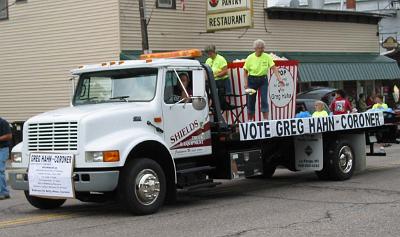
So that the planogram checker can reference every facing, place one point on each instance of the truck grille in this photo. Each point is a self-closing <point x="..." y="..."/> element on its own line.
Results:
<point x="61" y="136"/>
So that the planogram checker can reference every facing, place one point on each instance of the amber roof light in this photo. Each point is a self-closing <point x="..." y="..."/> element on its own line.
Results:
<point x="190" y="53"/>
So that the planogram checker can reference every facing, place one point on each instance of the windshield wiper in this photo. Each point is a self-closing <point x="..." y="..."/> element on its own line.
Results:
<point x="124" y="98"/>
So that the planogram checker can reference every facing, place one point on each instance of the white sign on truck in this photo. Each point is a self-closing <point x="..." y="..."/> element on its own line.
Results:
<point x="301" y="126"/>
<point x="309" y="152"/>
<point x="281" y="96"/>
<point x="50" y="175"/>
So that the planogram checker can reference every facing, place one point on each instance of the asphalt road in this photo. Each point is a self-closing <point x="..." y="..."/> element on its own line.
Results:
<point x="290" y="204"/>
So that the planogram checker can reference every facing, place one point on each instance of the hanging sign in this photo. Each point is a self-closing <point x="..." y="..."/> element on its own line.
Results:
<point x="227" y="5"/>
<point x="228" y="14"/>
<point x="229" y="20"/>
<point x="390" y="43"/>
<point x="282" y="98"/>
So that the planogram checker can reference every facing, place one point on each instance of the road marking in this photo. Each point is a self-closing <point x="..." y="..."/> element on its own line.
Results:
<point x="37" y="219"/>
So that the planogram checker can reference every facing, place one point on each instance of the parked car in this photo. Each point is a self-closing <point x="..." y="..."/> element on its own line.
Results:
<point x="325" y="94"/>
<point x="308" y="105"/>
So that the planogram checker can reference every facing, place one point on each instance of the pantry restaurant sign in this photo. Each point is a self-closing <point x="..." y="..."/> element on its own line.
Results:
<point x="228" y="14"/>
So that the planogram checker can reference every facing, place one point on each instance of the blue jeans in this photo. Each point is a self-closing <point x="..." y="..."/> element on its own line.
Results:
<point x="3" y="158"/>
<point x="228" y="88"/>
<point x="258" y="84"/>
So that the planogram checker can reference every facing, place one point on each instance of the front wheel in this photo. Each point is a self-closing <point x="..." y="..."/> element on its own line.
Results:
<point x="142" y="187"/>
<point x="44" y="203"/>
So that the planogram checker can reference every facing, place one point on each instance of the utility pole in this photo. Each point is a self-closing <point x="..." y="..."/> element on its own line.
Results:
<point x="143" y="26"/>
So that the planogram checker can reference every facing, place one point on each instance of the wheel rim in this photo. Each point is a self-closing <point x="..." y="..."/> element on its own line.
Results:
<point x="345" y="159"/>
<point x="147" y="187"/>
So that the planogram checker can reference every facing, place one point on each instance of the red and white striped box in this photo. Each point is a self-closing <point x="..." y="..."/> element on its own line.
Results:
<point x="281" y="100"/>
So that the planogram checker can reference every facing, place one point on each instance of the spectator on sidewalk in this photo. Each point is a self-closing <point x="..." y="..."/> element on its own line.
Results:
<point x="362" y="104"/>
<point x="380" y="106"/>
<point x="370" y="101"/>
<point x="5" y="138"/>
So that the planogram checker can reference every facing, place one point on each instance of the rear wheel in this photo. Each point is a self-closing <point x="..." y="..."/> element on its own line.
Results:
<point x="339" y="162"/>
<point x="142" y="186"/>
<point x="342" y="162"/>
<point x="44" y="203"/>
<point x="323" y="174"/>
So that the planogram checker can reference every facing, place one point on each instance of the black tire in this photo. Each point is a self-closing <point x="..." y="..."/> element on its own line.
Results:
<point x="269" y="171"/>
<point x="323" y="174"/>
<point x="339" y="161"/>
<point x="134" y="172"/>
<point x="172" y="195"/>
<point x="44" y="203"/>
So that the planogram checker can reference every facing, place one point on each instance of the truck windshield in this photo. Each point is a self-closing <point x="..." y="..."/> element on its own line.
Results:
<point x="137" y="84"/>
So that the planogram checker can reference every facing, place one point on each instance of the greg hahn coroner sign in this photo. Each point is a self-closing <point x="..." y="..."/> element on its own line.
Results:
<point x="301" y="126"/>
<point x="50" y="175"/>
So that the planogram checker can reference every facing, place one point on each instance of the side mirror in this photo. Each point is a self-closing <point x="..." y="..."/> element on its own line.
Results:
<point x="199" y="101"/>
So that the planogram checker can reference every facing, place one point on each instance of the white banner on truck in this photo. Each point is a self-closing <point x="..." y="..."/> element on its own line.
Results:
<point x="50" y="175"/>
<point x="301" y="126"/>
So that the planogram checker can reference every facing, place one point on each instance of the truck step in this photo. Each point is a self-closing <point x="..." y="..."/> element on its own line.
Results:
<point x="202" y="185"/>
<point x="195" y="170"/>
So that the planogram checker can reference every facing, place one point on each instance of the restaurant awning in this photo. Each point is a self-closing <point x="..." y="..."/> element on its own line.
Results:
<point x="344" y="66"/>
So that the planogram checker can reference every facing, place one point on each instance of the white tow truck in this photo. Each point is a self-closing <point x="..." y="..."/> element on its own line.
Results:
<point x="130" y="135"/>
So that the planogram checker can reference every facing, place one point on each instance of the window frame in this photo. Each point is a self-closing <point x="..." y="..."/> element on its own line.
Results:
<point x="5" y="10"/>
<point x="164" y="6"/>
<point x="172" y="71"/>
<point x="84" y="76"/>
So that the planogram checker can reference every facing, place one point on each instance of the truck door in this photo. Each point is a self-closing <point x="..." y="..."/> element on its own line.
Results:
<point x="186" y="130"/>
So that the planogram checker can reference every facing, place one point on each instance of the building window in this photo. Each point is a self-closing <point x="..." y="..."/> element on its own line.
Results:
<point x="3" y="9"/>
<point x="169" y="4"/>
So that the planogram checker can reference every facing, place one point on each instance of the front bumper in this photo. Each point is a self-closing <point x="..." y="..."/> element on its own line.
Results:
<point x="84" y="181"/>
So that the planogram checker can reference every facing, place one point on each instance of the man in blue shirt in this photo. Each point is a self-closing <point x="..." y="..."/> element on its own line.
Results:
<point x="5" y="138"/>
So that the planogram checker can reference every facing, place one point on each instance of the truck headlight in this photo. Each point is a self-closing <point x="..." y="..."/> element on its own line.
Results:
<point x="102" y="156"/>
<point x="16" y="157"/>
